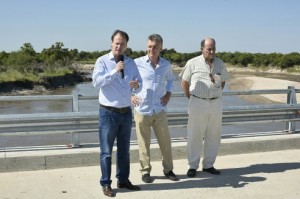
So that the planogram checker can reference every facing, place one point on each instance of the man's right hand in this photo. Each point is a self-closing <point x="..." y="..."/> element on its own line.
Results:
<point x="135" y="100"/>
<point x="120" y="66"/>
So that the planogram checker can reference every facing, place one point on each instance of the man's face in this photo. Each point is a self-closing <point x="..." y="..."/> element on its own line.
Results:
<point x="209" y="50"/>
<point x="118" y="45"/>
<point x="153" y="49"/>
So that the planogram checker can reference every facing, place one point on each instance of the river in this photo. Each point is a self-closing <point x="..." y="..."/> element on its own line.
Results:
<point x="87" y="89"/>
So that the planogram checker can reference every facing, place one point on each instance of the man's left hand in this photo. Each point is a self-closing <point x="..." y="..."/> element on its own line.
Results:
<point x="165" y="99"/>
<point x="134" y="84"/>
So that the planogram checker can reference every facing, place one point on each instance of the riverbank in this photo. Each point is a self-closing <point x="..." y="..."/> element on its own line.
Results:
<point x="253" y="79"/>
<point x="259" y="79"/>
<point x="45" y="87"/>
<point x="241" y="79"/>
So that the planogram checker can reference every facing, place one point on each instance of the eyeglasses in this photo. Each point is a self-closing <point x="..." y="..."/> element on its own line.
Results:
<point x="212" y="79"/>
<point x="211" y="50"/>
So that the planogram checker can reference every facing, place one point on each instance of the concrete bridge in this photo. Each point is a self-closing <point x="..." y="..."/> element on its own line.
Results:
<point x="257" y="165"/>
<point x="266" y="166"/>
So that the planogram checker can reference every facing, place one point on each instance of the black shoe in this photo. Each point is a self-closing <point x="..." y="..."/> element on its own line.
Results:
<point x="128" y="185"/>
<point x="191" y="173"/>
<point x="171" y="176"/>
<point x="107" y="190"/>
<point x="212" y="170"/>
<point x="146" y="178"/>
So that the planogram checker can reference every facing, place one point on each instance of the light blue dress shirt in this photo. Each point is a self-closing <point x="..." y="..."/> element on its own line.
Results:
<point x="114" y="90"/>
<point x="156" y="82"/>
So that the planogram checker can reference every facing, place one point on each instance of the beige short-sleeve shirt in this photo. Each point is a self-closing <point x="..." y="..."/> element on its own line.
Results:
<point x="197" y="73"/>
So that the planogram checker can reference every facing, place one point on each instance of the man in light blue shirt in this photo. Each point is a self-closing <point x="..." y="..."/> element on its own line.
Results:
<point x="117" y="77"/>
<point x="150" y="107"/>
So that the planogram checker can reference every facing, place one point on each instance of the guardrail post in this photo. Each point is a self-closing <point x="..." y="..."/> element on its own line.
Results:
<point x="75" y="102"/>
<point x="290" y="126"/>
<point x="75" y="108"/>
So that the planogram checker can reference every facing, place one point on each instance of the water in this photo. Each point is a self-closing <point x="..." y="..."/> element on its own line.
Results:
<point x="86" y="89"/>
<point x="91" y="105"/>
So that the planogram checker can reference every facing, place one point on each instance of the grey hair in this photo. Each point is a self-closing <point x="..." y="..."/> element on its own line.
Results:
<point x="203" y="42"/>
<point x="156" y="37"/>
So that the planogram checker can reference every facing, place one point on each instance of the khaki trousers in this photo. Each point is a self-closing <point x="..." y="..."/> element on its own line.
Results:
<point x="204" y="128"/>
<point x="159" y="123"/>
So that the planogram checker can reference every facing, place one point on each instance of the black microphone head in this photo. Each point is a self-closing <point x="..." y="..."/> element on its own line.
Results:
<point x="121" y="58"/>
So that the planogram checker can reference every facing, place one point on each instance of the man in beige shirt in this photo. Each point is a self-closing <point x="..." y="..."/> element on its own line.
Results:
<point x="203" y="79"/>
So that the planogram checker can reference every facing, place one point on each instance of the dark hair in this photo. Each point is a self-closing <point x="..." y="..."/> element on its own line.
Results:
<point x="122" y="33"/>
<point x="156" y="37"/>
<point x="203" y="42"/>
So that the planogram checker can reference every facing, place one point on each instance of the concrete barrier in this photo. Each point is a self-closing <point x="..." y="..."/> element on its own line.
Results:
<point x="78" y="157"/>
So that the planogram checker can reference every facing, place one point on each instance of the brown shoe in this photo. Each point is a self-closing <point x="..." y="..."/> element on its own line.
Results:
<point x="128" y="185"/>
<point x="107" y="190"/>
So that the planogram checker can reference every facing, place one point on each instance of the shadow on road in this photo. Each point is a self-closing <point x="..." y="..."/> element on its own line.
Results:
<point x="234" y="178"/>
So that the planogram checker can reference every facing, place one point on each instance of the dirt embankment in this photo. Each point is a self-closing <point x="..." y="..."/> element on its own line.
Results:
<point x="49" y="83"/>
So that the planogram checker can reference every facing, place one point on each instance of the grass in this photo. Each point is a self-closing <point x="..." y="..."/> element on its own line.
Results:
<point x="14" y="75"/>
<point x="295" y="69"/>
<point x="87" y="62"/>
<point x="55" y="72"/>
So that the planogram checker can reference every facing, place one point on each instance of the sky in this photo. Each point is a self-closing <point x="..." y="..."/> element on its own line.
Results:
<point x="254" y="26"/>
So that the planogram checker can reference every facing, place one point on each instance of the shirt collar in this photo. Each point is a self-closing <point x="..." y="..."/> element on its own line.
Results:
<point x="202" y="58"/>
<point x="111" y="56"/>
<point x="149" y="61"/>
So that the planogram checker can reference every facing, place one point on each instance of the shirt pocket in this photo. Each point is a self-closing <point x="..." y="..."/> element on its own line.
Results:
<point x="217" y="80"/>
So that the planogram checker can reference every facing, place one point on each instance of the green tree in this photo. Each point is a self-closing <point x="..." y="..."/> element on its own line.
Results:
<point x="128" y="52"/>
<point x="56" y="55"/>
<point x="175" y="57"/>
<point x="83" y="56"/>
<point x="74" y="54"/>
<point x="3" y="58"/>
<point x="290" y="60"/>
<point x="24" y="60"/>
<point x="245" y="59"/>
<point x="27" y="48"/>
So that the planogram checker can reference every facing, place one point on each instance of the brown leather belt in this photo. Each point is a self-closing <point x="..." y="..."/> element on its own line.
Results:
<point x="213" y="98"/>
<point x="117" y="110"/>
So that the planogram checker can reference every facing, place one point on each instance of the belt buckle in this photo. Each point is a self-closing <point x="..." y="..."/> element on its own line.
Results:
<point x="122" y="110"/>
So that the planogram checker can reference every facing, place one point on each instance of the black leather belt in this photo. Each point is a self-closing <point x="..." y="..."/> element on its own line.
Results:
<point x="114" y="109"/>
<point x="213" y="98"/>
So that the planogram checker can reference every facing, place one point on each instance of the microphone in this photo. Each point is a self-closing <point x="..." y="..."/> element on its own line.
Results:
<point x="121" y="58"/>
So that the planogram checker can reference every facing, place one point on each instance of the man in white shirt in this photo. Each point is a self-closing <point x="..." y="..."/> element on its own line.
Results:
<point x="150" y="107"/>
<point x="203" y="79"/>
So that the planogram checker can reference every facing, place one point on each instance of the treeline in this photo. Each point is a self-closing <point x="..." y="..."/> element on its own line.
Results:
<point x="277" y="60"/>
<point x="27" y="60"/>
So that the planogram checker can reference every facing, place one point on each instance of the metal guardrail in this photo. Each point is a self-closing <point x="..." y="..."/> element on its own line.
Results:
<point x="76" y="122"/>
